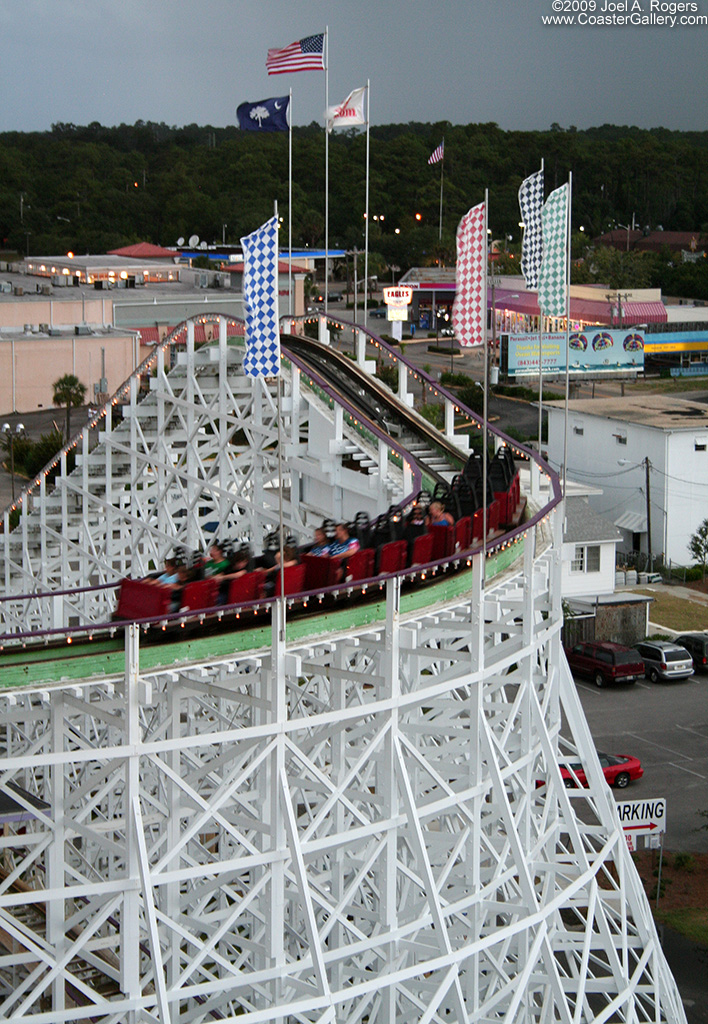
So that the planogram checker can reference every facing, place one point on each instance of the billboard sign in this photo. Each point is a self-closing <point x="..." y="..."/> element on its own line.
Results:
<point x="591" y="350"/>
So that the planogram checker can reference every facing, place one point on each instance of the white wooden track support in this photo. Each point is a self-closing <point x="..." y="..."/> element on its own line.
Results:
<point x="177" y="453"/>
<point x="370" y="828"/>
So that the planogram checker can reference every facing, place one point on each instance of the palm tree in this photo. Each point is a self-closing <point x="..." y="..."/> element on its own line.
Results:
<point x="69" y="391"/>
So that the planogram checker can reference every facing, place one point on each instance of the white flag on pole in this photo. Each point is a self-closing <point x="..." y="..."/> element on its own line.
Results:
<point x="351" y="112"/>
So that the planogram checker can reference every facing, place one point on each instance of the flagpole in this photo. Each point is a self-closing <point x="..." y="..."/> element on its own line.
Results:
<point x="485" y="407"/>
<point x="279" y="385"/>
<point x="366" y="205"/>
<point x="290" y="204"/>
<point x="567" y="336"/>
<point x="326" y="282"/>
<point x="442" y="165"/>
<point x="540" y="366"/>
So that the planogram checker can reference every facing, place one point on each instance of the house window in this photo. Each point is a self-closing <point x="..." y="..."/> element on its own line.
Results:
<point x="621" y="438"/>
<point x="586" y="558"/>
<point x="578" y="429"/>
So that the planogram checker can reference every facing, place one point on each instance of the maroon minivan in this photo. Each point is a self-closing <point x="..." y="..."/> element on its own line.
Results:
<point x="605" y="662"/>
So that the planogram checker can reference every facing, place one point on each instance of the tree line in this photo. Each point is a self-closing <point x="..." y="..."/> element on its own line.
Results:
<point x="93" y="188"/>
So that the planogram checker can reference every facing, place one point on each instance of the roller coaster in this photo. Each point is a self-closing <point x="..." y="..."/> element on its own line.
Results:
<point x="322" y="805"/>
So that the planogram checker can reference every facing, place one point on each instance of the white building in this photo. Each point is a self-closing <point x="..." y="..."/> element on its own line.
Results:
<point x="649" y="454"/>
<point x="588" y="553"/>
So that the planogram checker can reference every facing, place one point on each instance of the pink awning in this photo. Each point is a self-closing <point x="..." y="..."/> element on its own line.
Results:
<point x="644" y="313"/>
<point x="590" y="310"/>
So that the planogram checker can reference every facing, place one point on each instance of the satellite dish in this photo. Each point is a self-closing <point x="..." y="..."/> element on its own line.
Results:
<point x="202" y="245"/>
<point x="193" y="241"/>
<point x="180" y="240"/>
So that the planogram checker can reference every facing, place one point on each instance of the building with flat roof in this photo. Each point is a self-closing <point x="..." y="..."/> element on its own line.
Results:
<point x="649" y="454"/>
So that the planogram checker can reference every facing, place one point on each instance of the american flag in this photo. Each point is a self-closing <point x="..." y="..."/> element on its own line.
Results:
<point x="304" y="55"/>
<point x="437" y="154"/>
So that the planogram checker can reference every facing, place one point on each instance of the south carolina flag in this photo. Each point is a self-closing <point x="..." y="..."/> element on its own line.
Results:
<point x="469" y="310"/>
<point x="260" y="297"/>
<point x="349" y="113"/>
<point x="269" y="115"/>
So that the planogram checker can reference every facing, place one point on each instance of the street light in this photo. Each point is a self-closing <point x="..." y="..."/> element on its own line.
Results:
<point x="627" y="229"/>
<point x="10" y="435"/>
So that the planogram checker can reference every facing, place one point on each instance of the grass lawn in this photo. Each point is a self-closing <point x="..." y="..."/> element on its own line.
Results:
<point x="675" y="612"/>
<point x="683" y="902"/>
<point x="669" y="385"/>
<point x="691" y="922"/>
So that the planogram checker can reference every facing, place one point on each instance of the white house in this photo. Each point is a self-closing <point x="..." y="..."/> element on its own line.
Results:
<point x="649" y="454"/>
<point x="588" y="552"/>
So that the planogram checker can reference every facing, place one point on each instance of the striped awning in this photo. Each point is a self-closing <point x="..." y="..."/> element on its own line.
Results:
<point x="589" y="310"/>
<point x="635" y="522"/>
<point x="643" y="313"/>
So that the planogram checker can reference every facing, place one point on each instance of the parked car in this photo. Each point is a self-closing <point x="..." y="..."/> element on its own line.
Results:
<point x="697" y="646"/>
<point x="619" y="770"/>
<point x="605" y="662"/>
<point x="665" y="660"/>
<point x="447" y="332"/>
<point x="380" y="313"/>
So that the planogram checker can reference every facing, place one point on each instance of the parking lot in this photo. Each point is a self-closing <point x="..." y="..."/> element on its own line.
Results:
<point x="665" y="725"/>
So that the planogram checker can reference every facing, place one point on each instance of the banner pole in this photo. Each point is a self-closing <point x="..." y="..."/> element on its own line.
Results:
<point x="290" y="205"/>
<point x="485" y="393"/>
<point x="567" y="335"/>
<point x="366" y="211"/>
<point x="326" y="267"/>
<point x="442" y="165"/>
<point x="279" y="385"/>
<point x="540" y="367"/>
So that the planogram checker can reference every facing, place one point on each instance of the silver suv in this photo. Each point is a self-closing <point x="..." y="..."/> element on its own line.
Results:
<point x="664" y="660"/>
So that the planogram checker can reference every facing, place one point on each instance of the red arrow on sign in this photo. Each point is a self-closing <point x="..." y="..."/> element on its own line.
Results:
<point x="635" y="828"/>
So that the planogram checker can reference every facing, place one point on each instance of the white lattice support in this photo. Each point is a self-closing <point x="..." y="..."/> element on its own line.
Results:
<point x="55" y="859"/>
<point x="130" y="931"/>
<point x="320" y="877"/>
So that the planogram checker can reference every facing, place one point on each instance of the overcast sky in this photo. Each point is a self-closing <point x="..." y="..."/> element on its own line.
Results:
<point x="463" y="61"/>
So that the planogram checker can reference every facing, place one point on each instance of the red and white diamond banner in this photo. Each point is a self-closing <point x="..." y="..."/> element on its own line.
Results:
<point x="469" y="311"/>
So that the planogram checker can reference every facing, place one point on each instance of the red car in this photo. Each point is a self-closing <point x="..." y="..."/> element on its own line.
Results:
<point x="619" y="770"/>
<point x="605" y="662"/>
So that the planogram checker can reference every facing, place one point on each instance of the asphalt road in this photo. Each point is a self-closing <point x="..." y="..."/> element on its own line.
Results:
<point x="665" y="725"/>
<point x="35" y="424"/>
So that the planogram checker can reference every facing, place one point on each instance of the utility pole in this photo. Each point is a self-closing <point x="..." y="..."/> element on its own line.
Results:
<point x="647" y="465"/>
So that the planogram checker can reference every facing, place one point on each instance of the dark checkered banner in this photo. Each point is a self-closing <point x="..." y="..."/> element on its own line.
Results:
<point x="260" y="297"/>
<point x="530" y="204"/>
<point x="553" y="278"/>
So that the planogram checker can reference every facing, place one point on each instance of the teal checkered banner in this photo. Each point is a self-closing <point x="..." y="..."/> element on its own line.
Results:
<point x="260" y="297"/>
<point x="553" y="277"/>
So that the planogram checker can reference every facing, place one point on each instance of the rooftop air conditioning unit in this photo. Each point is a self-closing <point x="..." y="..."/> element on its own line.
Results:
<point x="44" y="328"/>
<point x="82" y="329"/>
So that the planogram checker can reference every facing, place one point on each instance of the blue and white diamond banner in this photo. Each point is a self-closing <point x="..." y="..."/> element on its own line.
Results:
<point x="260" y="296"/>
<point x="553" y="276"/>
